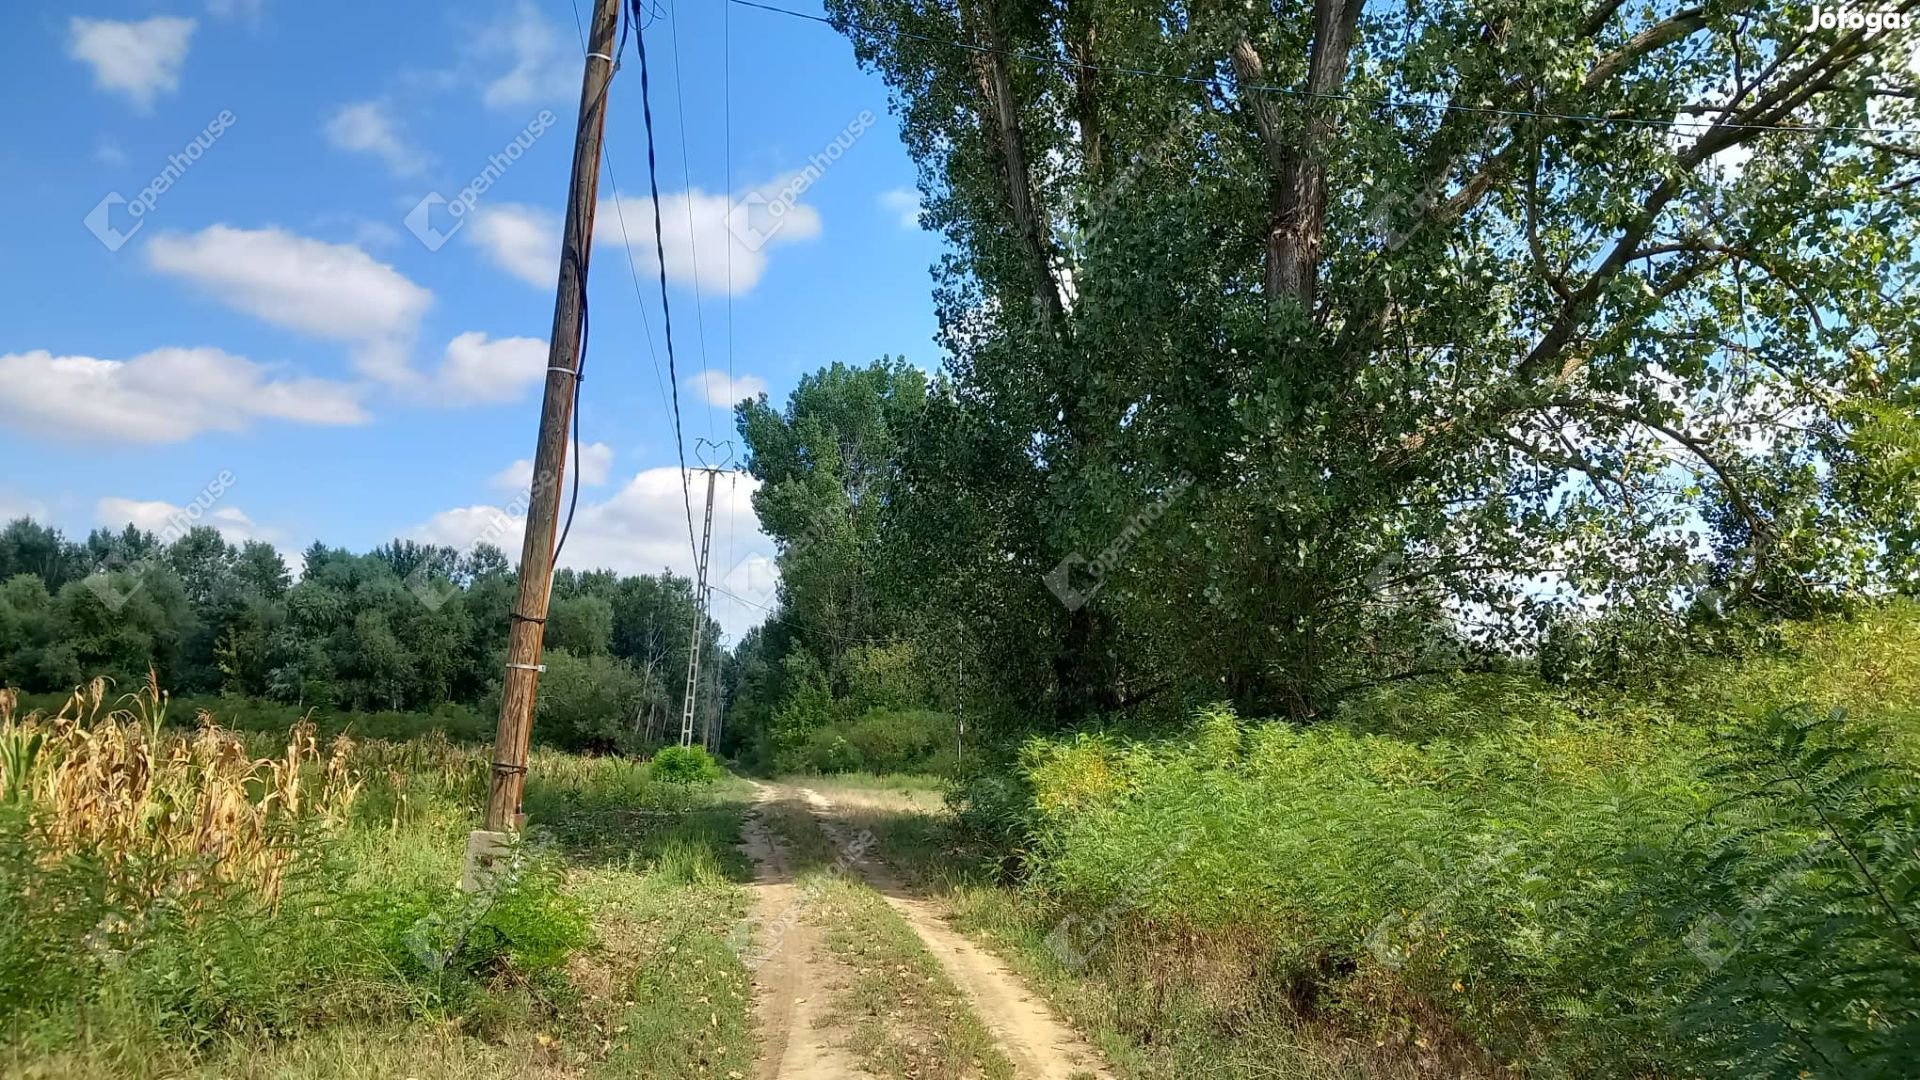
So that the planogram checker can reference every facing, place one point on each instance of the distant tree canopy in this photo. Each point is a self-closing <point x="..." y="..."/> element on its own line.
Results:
<point x="405" y="626"/>
<point x="1300" y="346"/>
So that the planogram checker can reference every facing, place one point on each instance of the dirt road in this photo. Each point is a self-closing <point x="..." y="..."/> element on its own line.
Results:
<point x="1039" y="1044"/>
<point x="791" y="969"/>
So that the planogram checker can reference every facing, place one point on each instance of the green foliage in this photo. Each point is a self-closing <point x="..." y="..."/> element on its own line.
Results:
<point x="689" y="861"/>
<point x="994" y="809"/>
<point x="1274" y="384"/>
<point x="684" y="765"/>
<point x="406" y="628"/>
<point x="530" y="924"/>
<point x="878" y="741"/>
<point x="1811" y="901"/>
<point x="198" y="963"/>
<point x="806" y="704"/>
<point x="588" y="703"/>
<point x="1576" y="883"/>
<point x="826" y="466"/>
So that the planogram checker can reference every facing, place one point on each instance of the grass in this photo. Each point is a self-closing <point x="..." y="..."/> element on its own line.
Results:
<point x="866" y="781"/>
<point x="248" y="911"/>
<point x="907" y="1018"/>
<point x="676" y="997"/>
<point x="1155" y="1034"/>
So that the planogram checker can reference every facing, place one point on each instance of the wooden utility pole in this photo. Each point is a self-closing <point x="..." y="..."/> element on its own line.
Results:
<point x="699" y="615"/>
<point x="529" y="617"/>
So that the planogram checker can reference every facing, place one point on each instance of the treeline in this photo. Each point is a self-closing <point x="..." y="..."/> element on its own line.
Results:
<point x="915" y="575"/>
<point x="406" y="626"/>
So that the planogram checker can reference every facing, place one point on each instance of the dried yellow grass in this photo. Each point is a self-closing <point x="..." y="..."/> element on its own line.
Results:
<point x="196" y="808"/>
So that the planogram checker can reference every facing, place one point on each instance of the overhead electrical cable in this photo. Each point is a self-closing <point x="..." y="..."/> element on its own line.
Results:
<point x="1359" y="99"/>
<point x="666" y="303"/>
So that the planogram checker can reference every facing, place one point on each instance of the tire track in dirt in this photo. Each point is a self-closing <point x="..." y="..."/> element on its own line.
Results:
<point x="1040" y="1045"/>
<point x="794" y="970"/>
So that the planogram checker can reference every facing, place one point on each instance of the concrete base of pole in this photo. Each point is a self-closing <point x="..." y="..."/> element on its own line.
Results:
<point x="487" y="857"/>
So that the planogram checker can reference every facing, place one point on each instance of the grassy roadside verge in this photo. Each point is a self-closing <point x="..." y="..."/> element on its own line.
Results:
<point x="1145" y="1035"/>
<point x="905" y="1017"/>
<point x="672" y="998"/>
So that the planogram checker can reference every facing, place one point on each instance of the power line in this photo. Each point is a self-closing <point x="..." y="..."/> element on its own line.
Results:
<point x="726" y="113"/>
<point x="633" y="273"/>
<point x="774" y="615"/>
<point x="1359" y="99"/>
<point x="660" y="251"/>
<point x="626" y="246"/>
<point x="579" y="376"/>
<point x="686" y="176"/>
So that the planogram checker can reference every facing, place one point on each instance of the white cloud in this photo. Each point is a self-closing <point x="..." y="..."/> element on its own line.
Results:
<point x="107" y="152"/>
<point x="904" y="203"/>
<point x="369" y="127"/>
<point x="169" y="522"/>
<point x="154" y="516"/>
<point x="642" y="529"/>
<point x="370" y="233"/>
<point x="708" y="233"/>
<point x="476" y="371"/>
<point x="166" y="395"/>
<point x="596" y="463"/>
<point x="543" y="64"/>
<point x="138" y="59"/>
<point x="522" y="240"/>
<point x="708" y="237"/>
<point x="235" y="9"/>
<point x="724" y="391"/>
<point x="14" y="507"/>
<point x="332" y="291"/>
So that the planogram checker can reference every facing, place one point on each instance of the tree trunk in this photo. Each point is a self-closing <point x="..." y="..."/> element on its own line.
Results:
<point x="1000" y="120"/>
<point x="1297" y="181"/>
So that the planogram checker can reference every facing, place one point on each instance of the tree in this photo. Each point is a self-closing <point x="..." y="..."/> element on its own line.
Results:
<point x="587" y="703"/>
<point x="1349" y="343"/>
<point x="261" y="571"/>
<point x="108" y="550"/>
<point x="31" y="650"/>
<point x="29" y="548"/>
<point x="582" y="625"/>
<point x="825" y="463"/>
<point x="353" y="632"/>
<point x="146" y="629"/>
<point x="204" y="562"/>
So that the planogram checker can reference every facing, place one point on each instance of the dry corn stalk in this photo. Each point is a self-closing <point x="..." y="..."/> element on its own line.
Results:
<point x="121" y="786"/>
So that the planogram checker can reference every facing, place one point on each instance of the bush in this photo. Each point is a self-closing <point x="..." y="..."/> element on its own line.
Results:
<point x="1810" y="902"/>
<point x="588" y="703"/>
<point x="879" y="741"/>
<point x="685" y="765"/>
<point x="530" y="925"/>
<point x="993" y="809"/>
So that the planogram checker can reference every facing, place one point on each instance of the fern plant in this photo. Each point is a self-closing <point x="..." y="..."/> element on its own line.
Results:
<point x="1808" y="935"/>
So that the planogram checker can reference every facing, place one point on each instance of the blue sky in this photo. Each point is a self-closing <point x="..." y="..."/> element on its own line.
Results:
<point x="270" y="313"/>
